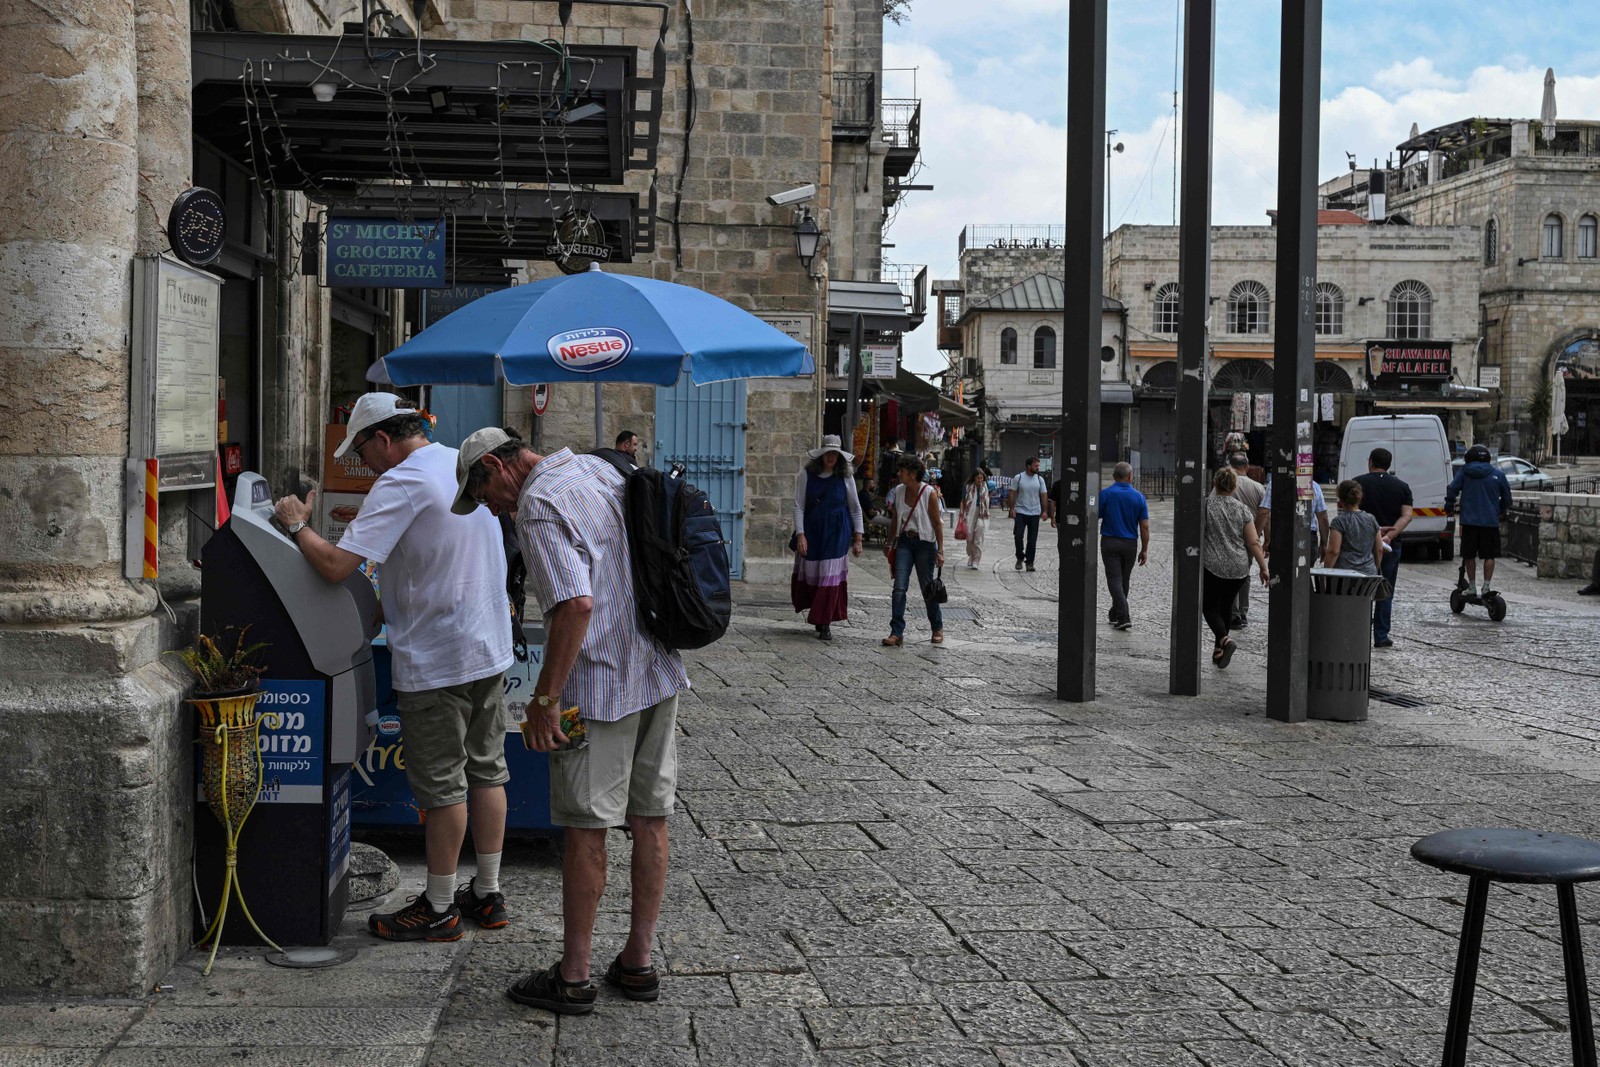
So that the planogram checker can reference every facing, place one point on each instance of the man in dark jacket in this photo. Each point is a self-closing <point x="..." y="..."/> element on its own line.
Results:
<point x="1485" y="497"/>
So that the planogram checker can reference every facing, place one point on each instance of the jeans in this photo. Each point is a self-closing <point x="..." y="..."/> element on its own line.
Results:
<point x="1029" y="523"/>
<point x="1119" y="554"/>
<point x="1216" y="601"/>
<point x="1382" y="610"/>
<point x="920" y="553"/>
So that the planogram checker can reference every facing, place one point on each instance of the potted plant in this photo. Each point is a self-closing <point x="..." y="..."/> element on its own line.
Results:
<point x="227" y="676"/>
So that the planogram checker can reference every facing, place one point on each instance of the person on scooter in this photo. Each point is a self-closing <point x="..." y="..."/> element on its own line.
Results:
<point x="1485" y="497"/>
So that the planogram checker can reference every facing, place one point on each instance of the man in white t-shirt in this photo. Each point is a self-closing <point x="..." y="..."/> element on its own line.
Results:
<point x="1026" y="507"/>
<point x="443" y="583"/>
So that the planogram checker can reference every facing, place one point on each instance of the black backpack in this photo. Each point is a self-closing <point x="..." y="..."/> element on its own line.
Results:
<point x="679" y="560"/>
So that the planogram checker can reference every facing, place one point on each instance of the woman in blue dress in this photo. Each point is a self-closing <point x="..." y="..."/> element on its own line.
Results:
<point x="828" y="530"/>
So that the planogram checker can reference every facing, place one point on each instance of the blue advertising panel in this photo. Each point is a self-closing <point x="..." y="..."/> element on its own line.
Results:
<point x="380" y="795"/>
<point x="437" y="303"/>
<point x="386" y="253"/>
<point x="291" y="754"/>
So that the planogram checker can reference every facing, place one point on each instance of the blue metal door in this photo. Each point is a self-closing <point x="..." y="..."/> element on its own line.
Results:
<point x="702" y="427"/>
<point x="462" y="409"/>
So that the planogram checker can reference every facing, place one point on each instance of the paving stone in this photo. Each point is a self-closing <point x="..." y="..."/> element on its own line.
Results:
<point x="918" y="1055"/>
<point x="1036" y="1056"/>
<point x="705" y="954"/>
<point x="49" y="1057"/>
<point x="776" y="991"/>
<point x="883" y="939"/>
<point x="1139" y="995"/>
<point x="740" y="1037"/>
<point x="175" y="1026"/>
<point x="1004" y="1013"/>
<point x="1167" y="952"/>
<point x="64" y="1025"/>
<point x="1137" y="1055"/>
<point x="1029" y="957"/>
<point x="851" y="983"/>
<point x="284" y="1055"/>
<point x="840" y="1028"/>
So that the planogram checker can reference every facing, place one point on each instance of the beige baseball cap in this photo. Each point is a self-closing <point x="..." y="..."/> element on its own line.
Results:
<point x="474" y="448"/>
<point x="370" y="410"/>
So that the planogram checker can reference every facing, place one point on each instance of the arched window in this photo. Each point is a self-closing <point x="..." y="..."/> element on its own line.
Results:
<point x="1410" y="311"/>
<point x="1491" y="243"/>
<point x="1008" y="345"/>
<point x="1550" y="246"/>
<point x="1330" y="309"/>
<point x="1588" y="237"/>
<point x="1044" y="348"/>
<point x="1248" y="306"/>
<point x="1165" y="310"/>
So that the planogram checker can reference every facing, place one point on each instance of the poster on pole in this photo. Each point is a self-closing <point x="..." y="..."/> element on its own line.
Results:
<point x="176" y="338"/>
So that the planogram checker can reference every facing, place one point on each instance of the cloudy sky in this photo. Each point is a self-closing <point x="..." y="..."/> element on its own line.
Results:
<point x="993" y="93"/>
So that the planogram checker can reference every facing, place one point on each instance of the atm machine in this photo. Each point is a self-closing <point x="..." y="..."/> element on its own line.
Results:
<point x="294" y="851"/>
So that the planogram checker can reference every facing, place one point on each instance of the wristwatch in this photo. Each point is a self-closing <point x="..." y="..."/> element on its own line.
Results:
<point x="544" y="701"/>
<point x="295" y="528"/>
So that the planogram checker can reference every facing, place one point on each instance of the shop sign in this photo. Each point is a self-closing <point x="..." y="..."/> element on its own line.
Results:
<point x="877" y="361"/>
<point x="196" y="226"/>
<point x="437" y="303"/>
<point x="1395" y="363"/>
<point x="385" y="253"/>
<point x="1489" y="377"/>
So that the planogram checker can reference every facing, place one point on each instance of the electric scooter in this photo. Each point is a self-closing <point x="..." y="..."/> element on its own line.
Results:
<point x="1460" y="598"/>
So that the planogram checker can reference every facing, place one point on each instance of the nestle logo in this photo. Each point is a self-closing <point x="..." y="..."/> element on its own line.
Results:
<point x="389" y="725"/>
<point x="587" y="351"/>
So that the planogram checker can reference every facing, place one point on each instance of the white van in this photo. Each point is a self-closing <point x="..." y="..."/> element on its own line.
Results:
<point x="1421" y="460"/>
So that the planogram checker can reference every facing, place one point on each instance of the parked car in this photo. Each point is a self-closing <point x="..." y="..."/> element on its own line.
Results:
<point x="1520" y="473"/>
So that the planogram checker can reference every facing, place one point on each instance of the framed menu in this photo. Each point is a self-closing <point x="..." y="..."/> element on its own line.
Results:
<point x="176" y="333"/>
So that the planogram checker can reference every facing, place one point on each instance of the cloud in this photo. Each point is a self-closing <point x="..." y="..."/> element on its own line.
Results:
<point x="1418" y="73"/>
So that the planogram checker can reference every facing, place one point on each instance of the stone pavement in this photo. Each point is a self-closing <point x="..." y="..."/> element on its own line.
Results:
<point x="918" y="856"/>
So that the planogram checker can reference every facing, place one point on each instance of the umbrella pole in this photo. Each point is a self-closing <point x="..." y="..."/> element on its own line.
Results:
<point x="599" y="420"/>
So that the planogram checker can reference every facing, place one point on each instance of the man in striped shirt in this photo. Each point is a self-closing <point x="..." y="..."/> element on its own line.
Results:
<point x="623" y="770"/>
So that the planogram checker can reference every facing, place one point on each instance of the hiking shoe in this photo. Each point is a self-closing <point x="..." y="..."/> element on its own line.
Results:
<point x="488" y="911"/>
<point x="548" y="990"/>
<point x="636" y="983"/>
<point x="1030" y="566"/>
<point x="418" y="922"/>
<point x="1019" y="564"/>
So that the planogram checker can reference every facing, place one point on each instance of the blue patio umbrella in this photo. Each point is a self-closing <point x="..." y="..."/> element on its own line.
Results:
<point x="594" y="327"/>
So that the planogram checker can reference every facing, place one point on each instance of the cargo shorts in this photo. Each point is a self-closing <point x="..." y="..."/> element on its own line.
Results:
<point x="629" y="767"/>
<point x="455" y="739"/>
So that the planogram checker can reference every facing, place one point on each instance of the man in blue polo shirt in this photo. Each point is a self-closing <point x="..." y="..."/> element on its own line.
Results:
<point x="1124" y="516"/>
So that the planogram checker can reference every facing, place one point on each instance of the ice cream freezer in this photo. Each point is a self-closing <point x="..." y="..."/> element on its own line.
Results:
<point x="379" y="795"/>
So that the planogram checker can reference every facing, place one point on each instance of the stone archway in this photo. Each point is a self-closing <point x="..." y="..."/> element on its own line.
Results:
<point x="1576" y="356"/>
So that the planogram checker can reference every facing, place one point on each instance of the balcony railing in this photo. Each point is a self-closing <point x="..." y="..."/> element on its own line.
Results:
<point x="1004" y="235"/>
<point x="855" y="106"/>
<point x="902" y="133"/>
<point x="912" y="281"/>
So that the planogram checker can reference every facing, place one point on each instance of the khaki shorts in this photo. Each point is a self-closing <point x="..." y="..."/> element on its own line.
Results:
<point x="629" y="767"/>
<point x="455" y="739"/>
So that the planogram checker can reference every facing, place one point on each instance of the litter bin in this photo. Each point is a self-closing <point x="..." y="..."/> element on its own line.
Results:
<point x="1341" y="644"/>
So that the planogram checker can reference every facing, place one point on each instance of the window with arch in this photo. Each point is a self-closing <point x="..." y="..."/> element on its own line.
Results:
<point x="1164" y="312"/>
<point x="1410" y="311"/>
<point x="1248" y="308"/>
<point x="1044" y="348"/>
<point x="1550" y="242"/>
<point x="1491" y="243"/>
<point x="1330" y="309"/>
<point x="1588" y="237"/>
<point x="1008" y="345"/>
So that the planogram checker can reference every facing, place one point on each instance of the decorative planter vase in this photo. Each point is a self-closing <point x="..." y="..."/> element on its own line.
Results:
<point x="230" y="777"/>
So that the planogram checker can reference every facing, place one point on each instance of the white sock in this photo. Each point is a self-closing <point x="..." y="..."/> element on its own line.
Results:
<point x="441" y="892"/>
<point x="488" y="880"/>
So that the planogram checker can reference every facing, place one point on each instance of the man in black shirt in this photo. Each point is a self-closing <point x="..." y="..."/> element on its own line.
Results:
<point x="1387" y="499"/>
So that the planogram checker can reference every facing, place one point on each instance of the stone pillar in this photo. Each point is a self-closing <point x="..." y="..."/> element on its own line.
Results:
<point x="93" y="893"/>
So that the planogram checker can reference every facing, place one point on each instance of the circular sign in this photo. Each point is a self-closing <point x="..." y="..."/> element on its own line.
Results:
<point x="196" y="226"/>
<point x="541" y="399"/>
<point x="578" y="242"/>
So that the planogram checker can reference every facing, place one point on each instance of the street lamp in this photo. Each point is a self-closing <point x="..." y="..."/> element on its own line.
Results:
<point x="807" y="237"/>
<point x="1109" y="149"/>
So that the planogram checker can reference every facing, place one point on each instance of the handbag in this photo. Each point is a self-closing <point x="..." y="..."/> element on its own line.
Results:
<point x="961" y="528"/>
<point x="933" y="591"/>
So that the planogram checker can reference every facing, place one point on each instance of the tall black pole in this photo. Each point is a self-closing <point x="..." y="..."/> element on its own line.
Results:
<point x="1077" y="462"/>
<point x="1194" y="307"/>
<point x="1294" y="341"/>
<point x="852" y="402"/>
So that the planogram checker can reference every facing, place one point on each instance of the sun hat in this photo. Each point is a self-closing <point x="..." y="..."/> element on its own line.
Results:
<point x="831" y="443"/>
<point x="474" y="448"/>
<point x="370" y="410"/>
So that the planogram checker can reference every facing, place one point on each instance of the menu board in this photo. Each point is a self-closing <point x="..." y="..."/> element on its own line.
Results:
<point x="188" y="306"/>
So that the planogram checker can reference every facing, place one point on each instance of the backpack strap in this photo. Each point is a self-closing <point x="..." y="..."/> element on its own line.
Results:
<point x="624" y="465"/>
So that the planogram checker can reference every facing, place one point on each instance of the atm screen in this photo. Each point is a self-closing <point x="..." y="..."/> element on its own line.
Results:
<point x="260" y="494"/>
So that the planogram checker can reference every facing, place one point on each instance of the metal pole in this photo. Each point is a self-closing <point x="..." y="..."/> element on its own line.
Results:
<point x="1077" y="462"/>
<point x="599" y="420"/>
<point x="1294" y="547"/>
<point x="1194" y="307"/>
<point x="852" y="403"/>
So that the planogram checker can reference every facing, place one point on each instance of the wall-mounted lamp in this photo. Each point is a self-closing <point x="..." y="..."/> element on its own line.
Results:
<point x="807" y="238"/>
<point x="1526" y="259"/>
<point x="1364" y="301"/>
<point x="324" y="92"/>
<point x="1149" y="286"/>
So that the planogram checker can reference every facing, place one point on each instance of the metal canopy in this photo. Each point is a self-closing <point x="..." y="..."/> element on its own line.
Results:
<point x="880" y="304"/>
<point x="432" y="111"/>
<point x="516" y="224"/>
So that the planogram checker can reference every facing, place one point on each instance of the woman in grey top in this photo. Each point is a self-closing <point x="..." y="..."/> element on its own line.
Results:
<point x="1230" y="543"/>
<point x="1353" y="540"/>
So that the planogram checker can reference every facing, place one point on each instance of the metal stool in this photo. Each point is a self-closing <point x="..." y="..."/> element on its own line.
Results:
<point x="1515" y="856"/>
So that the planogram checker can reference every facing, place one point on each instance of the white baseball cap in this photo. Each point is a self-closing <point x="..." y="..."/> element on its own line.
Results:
<point x="474" y="448"/>
<point x="370" y="410"/>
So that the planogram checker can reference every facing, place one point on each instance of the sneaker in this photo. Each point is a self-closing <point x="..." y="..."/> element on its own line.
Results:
<point x="1384" y="643"/>
<point x="488" y="911"/>
<point x="1589" y="590"/>
<point x="1019" y="564"/>
<point x="1239" y="622"/>
<point x="548" y="990"/>
<point x="1030" y="566"/>
<point x="417" y="921"/>
<point x="1125" y="624"/>
<point x="636" y="983"/>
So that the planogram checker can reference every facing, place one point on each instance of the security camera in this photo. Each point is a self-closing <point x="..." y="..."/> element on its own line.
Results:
<point x="798" y="195"/>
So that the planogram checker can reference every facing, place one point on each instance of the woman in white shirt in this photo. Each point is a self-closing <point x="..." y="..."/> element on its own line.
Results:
<point x="916" y="539"/>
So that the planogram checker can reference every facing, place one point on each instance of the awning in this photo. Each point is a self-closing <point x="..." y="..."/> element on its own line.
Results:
<point x="953" y="414"/>
<point x="880" y="304"/>
<point x="1433" y="405"/>
<point x="1116" y="393"/>
<point x="331" y="113"/>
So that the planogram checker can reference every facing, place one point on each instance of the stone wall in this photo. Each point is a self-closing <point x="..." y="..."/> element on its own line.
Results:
<point x="1569" y="533"/>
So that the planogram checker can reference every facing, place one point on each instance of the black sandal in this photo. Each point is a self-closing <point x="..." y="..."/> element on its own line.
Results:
<point x="1227" y="653"/>
<point x="636" y="983"/>
<point x="548" y="990"/>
